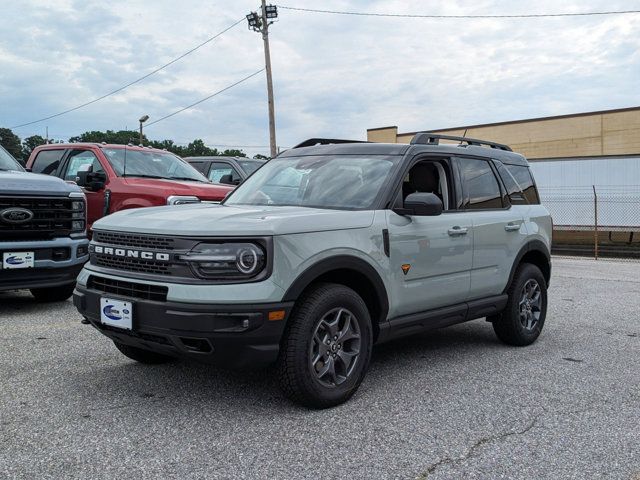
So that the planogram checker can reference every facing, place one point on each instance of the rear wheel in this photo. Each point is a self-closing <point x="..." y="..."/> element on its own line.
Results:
<point x="53" y="294"/>
<point x="522" y="320"/>
<point x="326" y="348"/>
<point x="142" y="356"/>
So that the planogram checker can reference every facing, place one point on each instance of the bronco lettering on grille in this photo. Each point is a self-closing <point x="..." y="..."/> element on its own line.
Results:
<point x="129" y="253"/>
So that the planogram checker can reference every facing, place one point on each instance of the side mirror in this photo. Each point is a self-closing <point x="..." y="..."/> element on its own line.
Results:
<point x="421" y="204"/>
<point x="91" y="181"/>
<point x="228" y="180"/>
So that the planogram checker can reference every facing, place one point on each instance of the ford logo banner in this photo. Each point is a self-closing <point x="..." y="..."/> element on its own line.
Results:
<point x="16" y="215"/>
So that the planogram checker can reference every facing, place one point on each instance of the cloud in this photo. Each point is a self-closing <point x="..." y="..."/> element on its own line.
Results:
<point x="334" y="75"/>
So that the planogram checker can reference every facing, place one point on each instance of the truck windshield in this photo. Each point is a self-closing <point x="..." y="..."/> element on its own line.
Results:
<point x="328" y="181"/>
<point x="151" y="164"/>
<point x="7" y="162"/>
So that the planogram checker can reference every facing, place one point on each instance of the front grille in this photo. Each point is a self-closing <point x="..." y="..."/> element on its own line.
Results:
<point x="134" y="240"/>
<point x="122" y="288"/>
<point x="132" y="265"/>
<point x="52" y="217"/>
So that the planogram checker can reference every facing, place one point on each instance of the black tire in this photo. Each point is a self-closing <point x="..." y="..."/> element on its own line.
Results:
<point x="53" y="294"/>
<point x="143" y="356"/>
<point x="298" y="375"/>
<point x="517" y="324"/>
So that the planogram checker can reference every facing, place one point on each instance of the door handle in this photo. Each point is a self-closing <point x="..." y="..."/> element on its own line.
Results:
<point x="457" y="231"/>
<point x="512" y="227"/>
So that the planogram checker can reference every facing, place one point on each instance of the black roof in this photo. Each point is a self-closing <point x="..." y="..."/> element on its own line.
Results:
<point x="372" y="148"/>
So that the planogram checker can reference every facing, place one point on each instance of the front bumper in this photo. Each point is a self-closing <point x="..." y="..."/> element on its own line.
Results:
<point x="47" y="272"/>
<point x="233" y="335"/>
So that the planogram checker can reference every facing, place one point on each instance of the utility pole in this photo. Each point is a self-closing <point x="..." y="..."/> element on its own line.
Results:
<point x="260" y="23"/>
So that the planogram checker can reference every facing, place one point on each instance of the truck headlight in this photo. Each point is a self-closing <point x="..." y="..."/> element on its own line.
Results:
<point x="226" y="260"/>
<point x="182" y="199"/>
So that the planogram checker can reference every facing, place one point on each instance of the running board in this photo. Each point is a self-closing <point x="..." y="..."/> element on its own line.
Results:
<point x="441" y="317"/>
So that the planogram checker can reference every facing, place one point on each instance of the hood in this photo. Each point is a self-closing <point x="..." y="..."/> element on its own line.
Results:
<point x="220" y="220"/>
<point x="25" y="183"/>
<point x="204" y="191"/>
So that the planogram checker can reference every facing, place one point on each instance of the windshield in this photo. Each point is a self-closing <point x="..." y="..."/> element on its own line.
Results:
<point x="7" y="162"/>
<point x="327" y="181"/>
<point x="151" y="164"/>
<point x="250" y="166"/>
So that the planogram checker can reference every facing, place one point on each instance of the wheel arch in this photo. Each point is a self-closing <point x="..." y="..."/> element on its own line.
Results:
<point x="352" y="272"/>
<point x="536" y="253"/>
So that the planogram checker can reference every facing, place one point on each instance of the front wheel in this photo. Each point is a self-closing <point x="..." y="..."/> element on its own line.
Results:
<point x="326" y="348"/>
<point x="53" y="294"/>
<point x="522" y="320"/>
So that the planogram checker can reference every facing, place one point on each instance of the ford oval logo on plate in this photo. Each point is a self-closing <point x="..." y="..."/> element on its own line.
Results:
<point x="16" y="215"/>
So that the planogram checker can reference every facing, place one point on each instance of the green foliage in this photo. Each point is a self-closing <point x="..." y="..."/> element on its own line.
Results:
<point x="11" y="142"/>
<point x="259" y="156"/>
<point x="121" y="137"/>
<point x="29" y="143"/>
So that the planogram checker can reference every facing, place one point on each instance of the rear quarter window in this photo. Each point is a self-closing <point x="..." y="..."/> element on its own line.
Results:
<point x="47" y="162"/>
<point x="523" y="176"/>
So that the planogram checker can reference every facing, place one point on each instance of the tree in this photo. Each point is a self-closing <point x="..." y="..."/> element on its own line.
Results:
<point x="29" y="143"/>
<point x="259" y="156"/>
<point x="121" y="137"/>
<point x="233" y="153"/>
<point x="11" y="142"/>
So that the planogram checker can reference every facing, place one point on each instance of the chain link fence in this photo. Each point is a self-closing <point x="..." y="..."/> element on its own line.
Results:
<point x="596" y="221"/>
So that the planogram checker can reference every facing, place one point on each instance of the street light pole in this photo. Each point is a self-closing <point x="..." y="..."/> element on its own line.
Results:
<point x="260" y="23"/>
<point x="142" y="120"/>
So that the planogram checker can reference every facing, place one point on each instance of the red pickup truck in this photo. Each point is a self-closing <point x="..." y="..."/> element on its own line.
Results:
<point x="117" y="177"/>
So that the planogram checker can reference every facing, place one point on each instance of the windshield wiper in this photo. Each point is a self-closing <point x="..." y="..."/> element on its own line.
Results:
<point x="142" y="175"/>
<point x="185" y="178"/>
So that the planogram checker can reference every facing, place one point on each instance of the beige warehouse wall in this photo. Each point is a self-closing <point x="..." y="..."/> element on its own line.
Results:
<point x="615" y="132"/>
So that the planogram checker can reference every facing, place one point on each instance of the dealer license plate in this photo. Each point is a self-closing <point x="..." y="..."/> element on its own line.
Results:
<point x="116" y="313"/>
<point x="12" y="260"/>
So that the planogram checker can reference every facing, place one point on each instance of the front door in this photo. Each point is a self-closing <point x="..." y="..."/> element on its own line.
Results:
<point x="78" y="160"/>
<point x="430" y="257"/>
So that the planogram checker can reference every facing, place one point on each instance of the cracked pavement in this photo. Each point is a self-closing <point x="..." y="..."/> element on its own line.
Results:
<point x="448" y="404"/>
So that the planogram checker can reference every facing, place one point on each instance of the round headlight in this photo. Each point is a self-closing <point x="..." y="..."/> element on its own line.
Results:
<point x="247" y="260"/>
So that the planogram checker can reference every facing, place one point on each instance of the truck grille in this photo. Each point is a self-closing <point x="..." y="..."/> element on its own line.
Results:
<point x="132" y="265"/>
<point x="122" y="288"/>
<point x="52" y="217"/>
<point x="133" y="240"/>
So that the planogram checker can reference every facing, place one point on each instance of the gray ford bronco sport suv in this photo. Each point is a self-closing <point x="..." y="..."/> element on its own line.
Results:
<point x="43" y="240"/>
<point x="327" y="249"/>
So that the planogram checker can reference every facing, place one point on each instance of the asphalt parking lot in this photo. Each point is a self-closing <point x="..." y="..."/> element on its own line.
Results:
<point x="450" y="404"/>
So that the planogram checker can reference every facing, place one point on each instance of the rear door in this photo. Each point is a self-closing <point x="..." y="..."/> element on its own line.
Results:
<point x="498" y="229"/>
<point x="48" y="161"/>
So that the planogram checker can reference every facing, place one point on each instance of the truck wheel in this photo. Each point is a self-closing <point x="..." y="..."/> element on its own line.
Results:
<point x="522" y="320"/>
<point x="326" y="347"/>
<point x="53" y="294"/>
<point x="142" y="356"/>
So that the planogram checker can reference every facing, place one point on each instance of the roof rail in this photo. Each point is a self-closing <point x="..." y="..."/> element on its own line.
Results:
<point x="427" y="138"/>
<point x="325" y="141"/>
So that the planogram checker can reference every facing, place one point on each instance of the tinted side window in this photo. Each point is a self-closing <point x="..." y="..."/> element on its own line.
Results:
<point x="81" y="160"/>
<point x="200" y="166"/>
<point x="47" y="162"/>
<point x="220" y="169"/>
<point x="516" y="197"/>
<point x="480" y="184"/>
<point x="525" y="180"/>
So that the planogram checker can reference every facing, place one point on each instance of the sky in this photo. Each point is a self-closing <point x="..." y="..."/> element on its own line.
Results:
<point x="334" y="75"/>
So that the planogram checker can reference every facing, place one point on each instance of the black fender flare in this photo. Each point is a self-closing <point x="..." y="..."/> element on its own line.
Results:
<point x="340" y="262"/>
<point x="530" y="246"/>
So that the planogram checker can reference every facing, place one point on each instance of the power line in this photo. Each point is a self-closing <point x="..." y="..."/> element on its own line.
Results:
<point x="407" y="15"/>
<point x="206" y="98"/>
<point x="117" y="90"/>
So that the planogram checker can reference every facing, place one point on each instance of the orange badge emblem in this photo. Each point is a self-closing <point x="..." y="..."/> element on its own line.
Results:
<point x="405" y="268"/>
